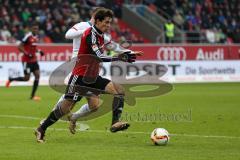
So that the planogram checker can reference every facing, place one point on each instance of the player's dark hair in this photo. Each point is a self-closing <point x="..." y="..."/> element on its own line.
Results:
<point x="95" y="10"/>
<point x="101" y="14"/>
<point x="34" y="23"/>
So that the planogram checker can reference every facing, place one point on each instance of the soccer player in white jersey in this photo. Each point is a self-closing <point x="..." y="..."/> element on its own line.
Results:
<point x="75" y="34"/>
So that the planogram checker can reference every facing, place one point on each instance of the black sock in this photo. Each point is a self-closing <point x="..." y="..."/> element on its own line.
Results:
<point x="53" y="117"/>
<point x="117" y="108"/>
<point x="34" y="88"/>
<point x="16" y="79"/>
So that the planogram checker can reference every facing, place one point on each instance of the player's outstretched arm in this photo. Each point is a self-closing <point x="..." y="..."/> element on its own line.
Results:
<point x="129" y="56"/>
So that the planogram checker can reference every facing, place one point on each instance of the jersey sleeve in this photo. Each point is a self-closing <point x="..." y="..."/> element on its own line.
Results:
<point x="96" y="49"/>
<point x="76" y="31"/>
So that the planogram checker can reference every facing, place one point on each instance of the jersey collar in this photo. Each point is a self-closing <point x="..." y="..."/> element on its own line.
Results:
<point x="89" y="23"/>
<point x="97" y="30"/>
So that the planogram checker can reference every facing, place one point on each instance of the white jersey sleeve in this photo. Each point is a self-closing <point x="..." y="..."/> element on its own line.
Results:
<point x="75" y="33"/>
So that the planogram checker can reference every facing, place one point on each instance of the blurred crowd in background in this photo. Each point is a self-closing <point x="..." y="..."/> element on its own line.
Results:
<point x="218" y="19"/>
<point x="55" y="17"/>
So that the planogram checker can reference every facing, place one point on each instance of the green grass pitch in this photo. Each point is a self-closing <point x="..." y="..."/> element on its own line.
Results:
<point x="203" y="120"/>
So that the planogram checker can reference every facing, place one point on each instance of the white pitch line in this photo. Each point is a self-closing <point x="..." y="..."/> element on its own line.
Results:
<point x="24" y="117"/>
<point x="20" y="117"/>
<point x="125" y="132"/>
<point x="103" y="131"/>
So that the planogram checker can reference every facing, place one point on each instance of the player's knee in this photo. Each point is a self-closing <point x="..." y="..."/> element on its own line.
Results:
<point x="121" y="91"/>
<point x="26" y="78"/>
<point x="118" y="89"/>
<point x="66" y="105"/>
<point x="94" y="109"/>
<point x="94" y="106"/>
<point x="37" y="77"/>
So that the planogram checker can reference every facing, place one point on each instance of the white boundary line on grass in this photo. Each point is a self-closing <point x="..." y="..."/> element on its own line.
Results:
<point x="19" y="117"/>
<point x="101" y="131"/>
<point x="125" y="132"/>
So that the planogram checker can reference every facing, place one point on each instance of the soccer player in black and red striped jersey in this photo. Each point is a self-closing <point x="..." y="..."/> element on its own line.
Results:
<point x="29" y="59"/>
<point x="85" y="79"/>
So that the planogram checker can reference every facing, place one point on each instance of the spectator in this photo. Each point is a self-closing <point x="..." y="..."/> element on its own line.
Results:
<point x="220" y="36"/>
<point x="57" y="36"/>
<point x="210" y="36"/>
<point x="44" y="38"/>
<point x="26" y="15"/>
<point x="5" y="34"/>
<point x="236" y="36"/>
<point x="169" y="31"/>
<point x="178" y="19"/>
<point x="207" y="14"/>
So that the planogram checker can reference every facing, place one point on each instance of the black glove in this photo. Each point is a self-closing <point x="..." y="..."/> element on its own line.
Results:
<point x="127" y="57"/>
<point x="41" y="53"/>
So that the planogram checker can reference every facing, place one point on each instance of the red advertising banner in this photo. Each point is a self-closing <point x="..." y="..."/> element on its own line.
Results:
<point x="63" y="52"/>
<point x="189" y="52"/>
<point x="10" y="53"/>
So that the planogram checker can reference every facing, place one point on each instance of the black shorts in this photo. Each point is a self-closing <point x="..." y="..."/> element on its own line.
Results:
<point x="30" y="67"/>
<point x="78" y="87"/>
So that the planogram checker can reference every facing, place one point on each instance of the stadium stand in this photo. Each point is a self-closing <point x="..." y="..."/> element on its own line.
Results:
<point x="55" y="17"/>
<point x="218" y="19"/>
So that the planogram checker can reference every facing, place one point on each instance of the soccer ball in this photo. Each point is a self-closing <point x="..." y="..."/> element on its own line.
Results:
<point x="160" y="136"/>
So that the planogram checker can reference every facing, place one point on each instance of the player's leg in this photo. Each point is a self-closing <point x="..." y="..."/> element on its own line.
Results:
<point x="60" y="110"/>
<point x="26" y="71"/>
<point x="69" y="117"/>
<point x="93" y="101"/>
<point x="60" y="99"/>
<point x="81" y="112"/>
<point x="117" y="106"/>
<point x="63" y="107"/>
<point x="36" y="73"/>
<point x="86" y="109"/>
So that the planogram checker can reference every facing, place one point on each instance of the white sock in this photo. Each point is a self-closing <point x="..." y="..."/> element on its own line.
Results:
<point x="83" y="111"/>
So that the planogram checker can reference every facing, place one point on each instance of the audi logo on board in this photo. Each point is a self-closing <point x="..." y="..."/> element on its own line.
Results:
<point x="171" y="53"/>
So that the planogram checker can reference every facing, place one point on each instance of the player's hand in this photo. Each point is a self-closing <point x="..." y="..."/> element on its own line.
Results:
<point x="129" y="56"/>
<point x="41" y="53"/>
<point x="137" y="53"/>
